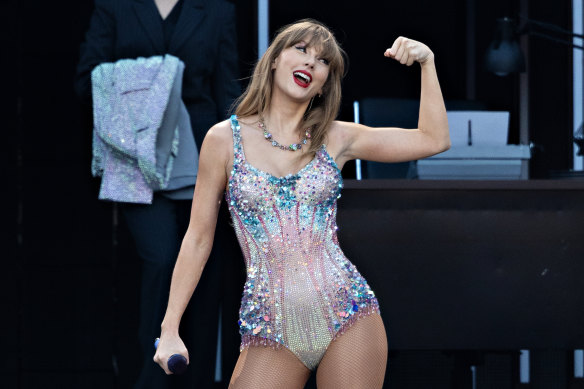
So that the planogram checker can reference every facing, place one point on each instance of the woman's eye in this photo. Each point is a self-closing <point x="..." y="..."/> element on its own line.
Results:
<point x="301" y="48"/>
<point x="324" y="61"/>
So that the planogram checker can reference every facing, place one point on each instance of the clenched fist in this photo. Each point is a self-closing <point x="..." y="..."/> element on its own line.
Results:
<point x="168" y="346"/>
<point x="407" y="51"/>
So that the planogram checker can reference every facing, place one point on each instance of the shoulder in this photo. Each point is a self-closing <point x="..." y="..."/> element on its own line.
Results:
<point x="338" y="127"/>
<point x="220" y="134"/>
<point x="220" y="5"/>
<point x="340" y="136"/>
<point x="217" y="146"/>
<point x="222" y="9"/>
<point x="117" y="10"/>
<point x="341" y="132"/>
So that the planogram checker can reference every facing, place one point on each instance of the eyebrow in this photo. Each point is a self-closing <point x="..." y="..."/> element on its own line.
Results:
<point x="310" y="44"/>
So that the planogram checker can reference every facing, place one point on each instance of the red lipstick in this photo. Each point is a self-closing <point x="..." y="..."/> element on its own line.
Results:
<point x="302" y="78"/>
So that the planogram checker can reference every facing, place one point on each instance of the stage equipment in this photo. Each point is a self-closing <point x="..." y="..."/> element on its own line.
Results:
<point x="504" y="55"/>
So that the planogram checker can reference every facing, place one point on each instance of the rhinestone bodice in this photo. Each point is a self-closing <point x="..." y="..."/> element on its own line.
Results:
<point x="300" y="289"/>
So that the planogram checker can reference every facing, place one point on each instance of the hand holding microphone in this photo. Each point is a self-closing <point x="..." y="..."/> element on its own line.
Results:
<point x="176" y="363"/>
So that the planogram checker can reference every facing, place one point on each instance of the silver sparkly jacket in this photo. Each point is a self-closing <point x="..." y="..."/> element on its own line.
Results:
<point x="139" y="122"/>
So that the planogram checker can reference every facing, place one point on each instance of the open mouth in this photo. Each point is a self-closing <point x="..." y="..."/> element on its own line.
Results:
<point x="302" y="78"/>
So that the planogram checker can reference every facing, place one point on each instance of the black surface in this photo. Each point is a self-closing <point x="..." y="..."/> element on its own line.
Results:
<point x="493" y="266"/>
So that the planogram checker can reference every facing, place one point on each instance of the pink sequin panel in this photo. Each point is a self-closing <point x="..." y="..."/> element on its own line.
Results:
<point x="301" y="291"/>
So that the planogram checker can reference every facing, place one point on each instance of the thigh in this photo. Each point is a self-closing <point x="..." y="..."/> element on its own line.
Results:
<point x="264" y="367"/>
<point x="357" y="358"/>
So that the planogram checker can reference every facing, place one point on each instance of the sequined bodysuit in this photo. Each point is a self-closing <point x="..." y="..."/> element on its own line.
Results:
<point x="301" y="291"/>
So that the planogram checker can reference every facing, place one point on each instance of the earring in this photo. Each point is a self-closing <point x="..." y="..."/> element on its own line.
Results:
<point x="310" y="105"/>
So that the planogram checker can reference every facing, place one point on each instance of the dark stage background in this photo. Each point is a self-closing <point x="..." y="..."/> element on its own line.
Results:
<point x="68" y="265"/>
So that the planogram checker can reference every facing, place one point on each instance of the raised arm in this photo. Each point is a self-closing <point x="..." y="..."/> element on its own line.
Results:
<point x="390" y="144"/>
<point x="198" y="240"/>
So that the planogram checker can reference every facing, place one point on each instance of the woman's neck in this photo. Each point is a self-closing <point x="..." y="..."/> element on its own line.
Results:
<point x="284" y="117"/>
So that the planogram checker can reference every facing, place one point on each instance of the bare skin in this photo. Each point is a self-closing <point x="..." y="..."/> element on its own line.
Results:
<point x="345" y="141"/>
<point x="165" y="6"/>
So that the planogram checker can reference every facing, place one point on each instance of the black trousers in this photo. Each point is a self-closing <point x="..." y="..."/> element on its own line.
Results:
<point x="158" y="230"/>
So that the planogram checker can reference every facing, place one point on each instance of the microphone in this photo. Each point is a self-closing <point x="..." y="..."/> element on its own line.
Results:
<point x="177" y="364"/>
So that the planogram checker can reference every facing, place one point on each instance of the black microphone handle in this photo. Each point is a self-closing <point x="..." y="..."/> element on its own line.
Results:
<point x="177" y="364"/>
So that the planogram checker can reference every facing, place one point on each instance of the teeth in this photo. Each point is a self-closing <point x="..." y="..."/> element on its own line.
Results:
<point x="303" y="76"/>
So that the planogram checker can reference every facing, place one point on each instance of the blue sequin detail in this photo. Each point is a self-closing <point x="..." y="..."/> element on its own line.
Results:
<point x="301" y="291"/>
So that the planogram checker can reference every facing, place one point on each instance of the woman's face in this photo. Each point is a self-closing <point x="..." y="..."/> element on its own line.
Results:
<point x="300" y="72"/>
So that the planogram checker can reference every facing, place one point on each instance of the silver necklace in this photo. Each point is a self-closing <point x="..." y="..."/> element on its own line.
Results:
<point x="293" y="147"/>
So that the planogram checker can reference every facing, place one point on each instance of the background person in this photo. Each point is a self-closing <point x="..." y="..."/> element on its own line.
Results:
<point x="202" y="34"/>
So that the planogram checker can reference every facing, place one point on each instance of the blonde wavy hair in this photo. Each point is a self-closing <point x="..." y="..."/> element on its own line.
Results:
<point x="324" y="109"/>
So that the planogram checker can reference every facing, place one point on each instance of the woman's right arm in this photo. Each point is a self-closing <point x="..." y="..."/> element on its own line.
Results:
<point x="198" y="240"/>
<point x="98" y="46"/>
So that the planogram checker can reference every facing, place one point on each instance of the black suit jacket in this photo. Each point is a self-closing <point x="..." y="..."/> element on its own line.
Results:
<point x="204" y="39"/>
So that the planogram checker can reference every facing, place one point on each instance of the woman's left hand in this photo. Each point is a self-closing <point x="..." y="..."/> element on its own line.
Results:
<point x="407" y="51"/>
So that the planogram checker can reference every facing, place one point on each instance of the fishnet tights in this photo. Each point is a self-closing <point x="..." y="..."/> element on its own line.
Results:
<point x="357" y="359"/>
<point x="264" y="367"/>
